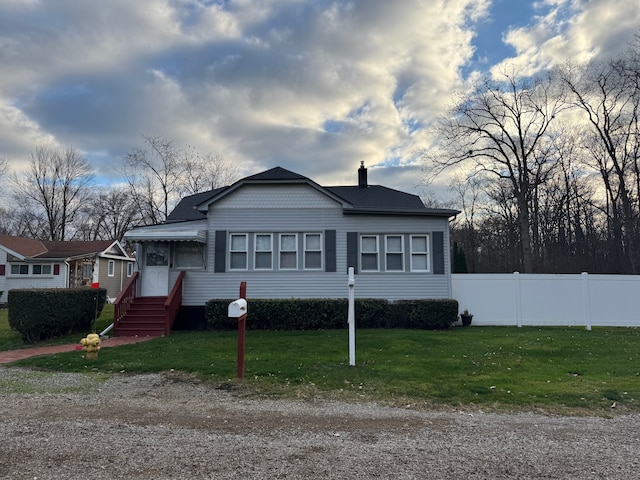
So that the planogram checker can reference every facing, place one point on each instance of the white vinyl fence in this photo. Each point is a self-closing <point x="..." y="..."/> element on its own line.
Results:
<point x="540" y="299"/>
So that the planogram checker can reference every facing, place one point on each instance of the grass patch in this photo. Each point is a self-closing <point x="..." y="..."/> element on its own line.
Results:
<point x="14" y="381"/>
<point x="551" y="368"/>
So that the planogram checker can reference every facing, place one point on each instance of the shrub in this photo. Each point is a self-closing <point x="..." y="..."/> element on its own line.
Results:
<point x="39" y="314"/>
<point x="315" y="314"/>
<point x="424" y="314"/>
<point x="274" y="314"/>
<point x="372" y="313"/>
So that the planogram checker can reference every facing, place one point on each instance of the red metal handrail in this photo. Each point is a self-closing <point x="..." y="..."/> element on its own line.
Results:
<point x="173" y="303"/>
<point x="124" y="300"/>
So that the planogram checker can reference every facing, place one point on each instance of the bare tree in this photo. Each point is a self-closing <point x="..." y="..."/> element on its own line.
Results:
<point x="502" y="129"/>
<point x="153" y="174"/>
<point x="206" y="172"/>
<point x="469" y="193"/>
<point x="608" y="94"/>
<point x="159" y="174"/>
<point x="52" y="193"/>
<point x="109" y="215"/>
<point x="118" y="213"/>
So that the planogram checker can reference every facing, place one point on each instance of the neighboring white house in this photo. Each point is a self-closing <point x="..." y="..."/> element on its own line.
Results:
<point x="30" y="263"/>
<point x="289" y="237"/>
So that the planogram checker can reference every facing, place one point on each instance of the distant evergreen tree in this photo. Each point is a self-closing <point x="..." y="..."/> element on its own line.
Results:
<point x="459" y="259"/>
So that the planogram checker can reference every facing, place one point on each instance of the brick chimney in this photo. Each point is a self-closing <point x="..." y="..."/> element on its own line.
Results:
<point x="362" y="176"/>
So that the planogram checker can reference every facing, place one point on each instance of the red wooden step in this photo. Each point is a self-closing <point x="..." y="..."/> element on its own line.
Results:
<point x="145" y="317"/>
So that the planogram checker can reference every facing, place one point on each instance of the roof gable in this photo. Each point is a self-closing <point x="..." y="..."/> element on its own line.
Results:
<point x="276" y="175"/>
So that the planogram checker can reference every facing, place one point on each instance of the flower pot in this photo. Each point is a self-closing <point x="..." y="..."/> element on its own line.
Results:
<point x="466" y="319"/>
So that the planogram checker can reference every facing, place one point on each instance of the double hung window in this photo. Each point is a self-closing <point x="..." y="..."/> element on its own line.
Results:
<point x="239" y="247"/>
<point x="312" y="251"/>
<point x="288" y="251"/>
<point x="263" y="251"/>
<point x="420" y="253"/>
<point x="394" y="253"/>
<point x="369" y="253"/>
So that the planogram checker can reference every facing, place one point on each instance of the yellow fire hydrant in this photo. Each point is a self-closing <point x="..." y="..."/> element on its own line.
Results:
<point x="91" y="345"/>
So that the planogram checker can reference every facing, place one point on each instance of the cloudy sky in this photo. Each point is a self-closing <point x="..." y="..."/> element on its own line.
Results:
<point x="311" y="86"/>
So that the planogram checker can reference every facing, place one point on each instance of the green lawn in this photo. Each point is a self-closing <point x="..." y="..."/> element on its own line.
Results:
<point x="556" y="369"/>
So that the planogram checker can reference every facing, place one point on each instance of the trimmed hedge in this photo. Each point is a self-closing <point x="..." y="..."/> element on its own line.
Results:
<point x="40" y="314"/>
<point x="316" y="314"/>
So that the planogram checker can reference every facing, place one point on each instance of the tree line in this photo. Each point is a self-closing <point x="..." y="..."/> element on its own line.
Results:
<point x="58" y="198"/>
<point x="546" y="169"/>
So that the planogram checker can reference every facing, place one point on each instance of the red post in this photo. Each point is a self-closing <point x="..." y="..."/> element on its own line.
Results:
<point x="242" y="327"/>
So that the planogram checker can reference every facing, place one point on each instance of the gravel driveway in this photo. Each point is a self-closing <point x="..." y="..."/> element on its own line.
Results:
<point x="159" y="427"/>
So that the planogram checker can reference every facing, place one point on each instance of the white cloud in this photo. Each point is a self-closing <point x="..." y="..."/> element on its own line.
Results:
<point x="313" y="86"/>
<point x="577" y="30"/>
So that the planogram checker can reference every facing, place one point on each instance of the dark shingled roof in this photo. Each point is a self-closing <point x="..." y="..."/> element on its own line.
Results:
<point x="275" y="174"/>
<point x="186" y="208"/>
<point x="74" y="248"/>
<point x="369" y="199"/>
<point x="27" y="247"/>
<point x="31" y="248"/>
<point x="376" y="196"/>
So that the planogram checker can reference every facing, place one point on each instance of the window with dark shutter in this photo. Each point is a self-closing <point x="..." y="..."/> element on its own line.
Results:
<point x="438" y="253"/>
<point x="330" y="250"/>
<point x="220" y="255"/>
<point x="352" y="250"/>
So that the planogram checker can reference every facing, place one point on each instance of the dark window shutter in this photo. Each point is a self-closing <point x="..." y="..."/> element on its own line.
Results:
<point x="220" y="255"/>
<point x="438" y="253"/>
<point x="2" y="270"/>
<point x="330" y="250"/>
<point x="352" y="250"/>
<point x="56" y="269"/>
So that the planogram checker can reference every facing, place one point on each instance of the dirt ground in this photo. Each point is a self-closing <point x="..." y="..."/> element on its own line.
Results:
<point x="162" y="427"/>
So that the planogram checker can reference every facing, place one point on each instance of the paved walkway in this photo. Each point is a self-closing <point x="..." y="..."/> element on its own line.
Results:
<point x="14" y="355"/>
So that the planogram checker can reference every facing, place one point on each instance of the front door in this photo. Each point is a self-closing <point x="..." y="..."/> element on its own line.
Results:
<point x="155" y="273"/>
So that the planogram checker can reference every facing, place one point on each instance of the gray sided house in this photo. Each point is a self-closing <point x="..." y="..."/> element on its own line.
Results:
<point x="31" y="263"/>
<point x="289" y="237"/>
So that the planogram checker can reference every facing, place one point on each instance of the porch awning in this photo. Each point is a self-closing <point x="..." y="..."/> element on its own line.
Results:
<point x="167" y="236"/>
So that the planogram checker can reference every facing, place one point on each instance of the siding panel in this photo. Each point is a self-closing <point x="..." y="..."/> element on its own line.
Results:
<point x="260" y="197"/>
